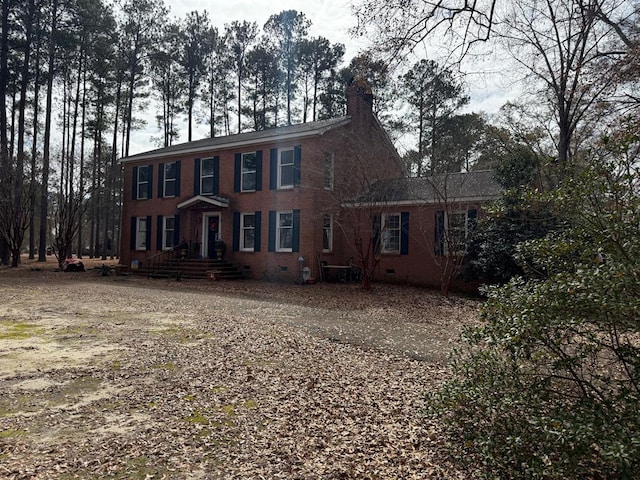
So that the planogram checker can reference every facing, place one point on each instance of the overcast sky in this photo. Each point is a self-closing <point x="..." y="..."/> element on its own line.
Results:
<point x="331" y="19"/>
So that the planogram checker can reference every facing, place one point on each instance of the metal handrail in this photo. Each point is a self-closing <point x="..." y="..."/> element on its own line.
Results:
<point x="159" y="258"/>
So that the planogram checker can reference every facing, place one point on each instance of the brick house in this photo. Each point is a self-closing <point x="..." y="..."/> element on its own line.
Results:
<point x="271" y="196"/>
<point x="419" y="226"/>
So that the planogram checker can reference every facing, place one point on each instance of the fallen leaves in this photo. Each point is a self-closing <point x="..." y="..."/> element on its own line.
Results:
<point x="235" y="381"/>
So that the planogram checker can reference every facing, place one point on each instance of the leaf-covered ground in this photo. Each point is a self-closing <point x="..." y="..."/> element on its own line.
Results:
<point x="129" y="378"/>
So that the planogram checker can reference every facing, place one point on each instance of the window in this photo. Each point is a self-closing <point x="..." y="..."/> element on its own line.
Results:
<point x="249" y="167"/>
<point x="143" y="183"/>
<point x="327" y="233"/>
<point x="141" y="233"/>
<point x="168" y="229"/>
<point x="284" y="232"/>
<point x="391" y="229"/>
<point x="456" y="235"/>
<point x="247" y="232"/>
<point x="170" y="175"/>
<point x="207" y="176"/>
<point x="286" y="168"/>
<point x="328" y="170"/>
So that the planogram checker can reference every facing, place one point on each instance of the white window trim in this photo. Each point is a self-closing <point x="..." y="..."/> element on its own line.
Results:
<point x="141" y="240"/>
<point x="278" y="248"/>
<point x="242" y="230"/>
<point x="293" y="158"/>
<point x="202" y="177"/>
<point x="447" y="234"/>
<point x="330" y="237"/>
<point x="139" y="183"/>
<point x="242" y="172"/>
<point x="164" y="233"/>
<point x="165" y="180"/>
<point x="330" y="163"/>
<point x="383" y="229"/>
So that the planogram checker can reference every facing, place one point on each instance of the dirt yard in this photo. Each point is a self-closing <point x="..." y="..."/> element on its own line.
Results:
<point x="127" y="378"/>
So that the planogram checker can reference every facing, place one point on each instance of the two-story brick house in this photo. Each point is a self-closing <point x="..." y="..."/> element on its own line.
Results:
<point x="271" y="196"/>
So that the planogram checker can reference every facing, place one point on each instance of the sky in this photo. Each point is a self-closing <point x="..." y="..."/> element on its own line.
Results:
<point x="329" y="18"/>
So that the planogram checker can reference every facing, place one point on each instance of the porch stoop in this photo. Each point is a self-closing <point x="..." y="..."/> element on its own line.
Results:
<point x="192" y="268"/>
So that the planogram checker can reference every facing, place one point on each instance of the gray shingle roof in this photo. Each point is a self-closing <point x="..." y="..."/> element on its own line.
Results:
<point x="449" y="187"/>
<point x="243" y="139"/>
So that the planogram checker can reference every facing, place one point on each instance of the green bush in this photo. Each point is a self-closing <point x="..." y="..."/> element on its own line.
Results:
<point x="548" y="387"/>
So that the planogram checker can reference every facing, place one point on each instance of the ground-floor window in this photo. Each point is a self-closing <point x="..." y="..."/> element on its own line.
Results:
<point x="141" y="233"/>
<point x="247" y="232"/>
<point x="391" y="228"/>
<point x="284" y="232"/>
<point x="327" y="233"/>
<point x="168" y="233"/>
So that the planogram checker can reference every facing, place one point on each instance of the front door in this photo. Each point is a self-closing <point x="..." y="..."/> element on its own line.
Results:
<point x="212" y="234"/>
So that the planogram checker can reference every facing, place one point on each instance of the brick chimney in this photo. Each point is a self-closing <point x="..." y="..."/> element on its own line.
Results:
<point x="359" y="99"/>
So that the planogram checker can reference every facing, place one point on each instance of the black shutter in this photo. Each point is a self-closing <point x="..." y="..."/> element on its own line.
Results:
<point x="161" y="180"/>
<point x="376" y="220"/>
<point x="150" y="182"/>
<point x="176" y="230"/>
<point x="134" y="232"/>
<point x="296" y="231"/>
<point x="404" y="233"/>
<point x="196" y="176"/>
<point x="439" y="233"/>
<point x="159" y="233"/>
<point x="216" y="175"/>
<point x="297" y="159"/>
<point x="236" y="231"/>
<point x="134" y="184"/>
<point x="237" y="172"/>
<point x="148" y="239"/>
<point x="258" y="170"/>
<point x="177" y="189"/>
<point x="273" y="169"/>
<point x="258" y="229"/>
<point x="272" y="231"/>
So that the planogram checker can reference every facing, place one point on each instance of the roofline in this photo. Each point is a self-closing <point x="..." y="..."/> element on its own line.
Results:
<point x="416" y="203"/>
<point x="156" y="154"/>
<point x="215" y="201"/>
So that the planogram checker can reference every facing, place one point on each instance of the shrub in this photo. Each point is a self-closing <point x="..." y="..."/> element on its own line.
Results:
<point x="549" y="385"/>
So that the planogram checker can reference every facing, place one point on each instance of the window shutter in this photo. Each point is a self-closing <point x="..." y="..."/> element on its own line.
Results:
<point x="376" y="220"/>
<point x="296" y="231"/>
<point x="439" y="233"/>
<point x="236" y="231"/>
<point x="148" y="239"/>
<point x="196" y="177"/>
<point x="176" y="230"/>
<point x="258" y="229"/>
<point x="161" y="180"/>
<point x="472" y="220"/>
<point x="150" y="183"/>
<point x="134" y="186"/>
<point x="404" y="233"/>
<point x="258" y="170"/>
<point x="134" y="231"/>
<point x="216" y="175"/>
<point x="178" y="178"/>
<point x="272" y="231"/>
<point x="237" y="172"/>
<point x="297" y="159"/>
<point x="273" y="169"/>
<point x="159" y="234"/>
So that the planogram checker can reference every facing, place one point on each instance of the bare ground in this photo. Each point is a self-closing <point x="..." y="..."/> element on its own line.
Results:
<point x="129" y="378"/>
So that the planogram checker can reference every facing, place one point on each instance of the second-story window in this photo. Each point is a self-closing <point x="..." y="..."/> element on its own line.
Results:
<point x="170" y="170"/>
<point x="143" y="182"/>
<point x="249" y="167"/>
<point x="328" y="170"/>
<point x="207" y="176"/>
<point x="286" y="168"/>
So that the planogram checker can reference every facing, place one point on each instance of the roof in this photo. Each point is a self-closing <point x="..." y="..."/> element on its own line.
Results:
<point x="447" y="187"/>
<point x="215" y="200"/>
<point x="290" y="132"/>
